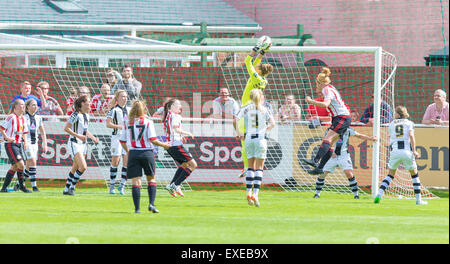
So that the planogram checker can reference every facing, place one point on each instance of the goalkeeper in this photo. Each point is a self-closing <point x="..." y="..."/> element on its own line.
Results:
<point x="258" y="73"/>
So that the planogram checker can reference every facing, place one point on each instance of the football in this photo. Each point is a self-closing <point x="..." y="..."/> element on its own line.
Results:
<point x="264" y="42"/>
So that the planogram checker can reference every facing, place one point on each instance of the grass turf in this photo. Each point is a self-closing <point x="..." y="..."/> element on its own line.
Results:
<point x="210" y="217"/>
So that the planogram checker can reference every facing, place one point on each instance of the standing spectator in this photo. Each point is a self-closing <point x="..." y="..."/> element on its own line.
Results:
<point x="315" y="112"/>
<point x="386" y="114"/>
<point x="73" y="95"/>
<point x="83" y="90"/>
<point x="52" y="106"/>
<point x="160" y="112"/>
<point x="25" y="94"/>
<point x="100" y="102"/>
<point x="112" y="77"/>
<point x="437" y="113"/>
<point x="224" y="106"/>
<point x="290" y="110"/>
<point x="129" y="84"/>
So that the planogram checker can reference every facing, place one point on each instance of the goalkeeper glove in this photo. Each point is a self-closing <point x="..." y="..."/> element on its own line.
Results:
<point x="265" y="48"/>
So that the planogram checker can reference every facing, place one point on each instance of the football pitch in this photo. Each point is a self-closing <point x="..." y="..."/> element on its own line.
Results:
<point x="219" y="217"/>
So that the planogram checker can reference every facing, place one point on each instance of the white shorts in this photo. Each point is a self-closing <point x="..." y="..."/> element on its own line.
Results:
<point x="343" y="161"/>
<point x="256" y="148"/>
<point x="32" y="151"/>
<point x="402" y="157"/>
<point x="74" y="148"/>
<point x="116" y="148"/>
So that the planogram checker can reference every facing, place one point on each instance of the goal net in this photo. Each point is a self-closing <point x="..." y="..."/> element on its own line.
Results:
<point x="194" y="75"/>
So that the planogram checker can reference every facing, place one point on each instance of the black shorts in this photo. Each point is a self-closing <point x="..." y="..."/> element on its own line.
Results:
<point x="179" y="154"/>
<point x="339" y="124"/>
<point x="139" y="160"/>
<point x="14" y="152"/>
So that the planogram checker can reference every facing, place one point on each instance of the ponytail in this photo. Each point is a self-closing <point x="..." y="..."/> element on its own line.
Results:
<point x="167" y="106"/>
<point x="324" y="76"/>
<point x="256" y="97"/>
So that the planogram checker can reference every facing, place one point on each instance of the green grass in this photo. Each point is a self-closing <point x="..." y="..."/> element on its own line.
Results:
<point x="212" y="217"/>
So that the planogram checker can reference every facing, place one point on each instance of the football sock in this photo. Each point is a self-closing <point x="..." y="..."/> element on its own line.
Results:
<point x="257" y="182"/>
<point x="319" y="185"/>
<point x="249" y="177"/>
<point x="151" y="188"/>
<point x="183" y="175"/>
<point x="113" y="175"/>
<point x="177" y="174"/>
<point x="136" y="193"/>
<point x="384" y="184"/>
<point x="26" y="174"/>
<point x="8" y="178"/>
<point x="416" y="185"/>
<point x="76" y="178"/>
<point x="353" y="185"/>
<point x="32" y="175"/>
<point x="20" y="177"/>
<point x="325" y="158"/>
<point x="123" y="179"/>
<point x="324" y="147"/>
<point x="69" y="181"/>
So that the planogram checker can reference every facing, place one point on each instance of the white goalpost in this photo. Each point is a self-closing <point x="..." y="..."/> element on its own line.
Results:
<point x="173" y="71"/>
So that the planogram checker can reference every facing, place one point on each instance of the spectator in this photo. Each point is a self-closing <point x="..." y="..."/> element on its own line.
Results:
<point x="112" y="77"/>
<point x="25" y="94"/>
<point x="224" y="106"/>
<point x="437" y="113"/>
<point x="355" y="116"/>
<point x="101" y="102"/>
<point x="73" y="95"/>
<point x="320" y="113"/>
<point x="52" y="106"/>
<point x="385" y="117"/>
<point x="160" y="112"/>
<point x="129" y="84"/>
<point x="290" y="110"/>
<point x="83" y="90"/>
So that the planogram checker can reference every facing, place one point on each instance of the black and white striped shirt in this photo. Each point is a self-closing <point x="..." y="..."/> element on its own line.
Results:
<point x="79" y="124"/>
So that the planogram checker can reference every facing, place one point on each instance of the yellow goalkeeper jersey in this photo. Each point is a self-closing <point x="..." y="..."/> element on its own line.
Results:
<point x="255" y="81"/>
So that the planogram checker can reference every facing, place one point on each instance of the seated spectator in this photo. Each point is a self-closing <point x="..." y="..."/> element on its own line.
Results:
<point x="315" y="112"/>
<point x="224" y="106"/>
<point x="100" y="102"/>
<point x="437" y="113"/>
<point x="385" y="117"/>
<point x="355" y="116"/>
<point x="25" y="94"/>
<point x="73" y="95"/>
<point x="290" y="110"/>
<point x="160" y="112"/>
<point x="52" y="106"/>
<point x="129" y="84"/>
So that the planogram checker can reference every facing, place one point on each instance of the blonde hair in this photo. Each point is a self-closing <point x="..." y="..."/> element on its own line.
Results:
<point x="256" y="97"/>
<point x="116" y="95"/>
<point x="324" y="76"/>
<point x="401" y="111"/>
<point x="42" y="83"/>
<point x="265" y="69"/>
<point x="137" y="110"/>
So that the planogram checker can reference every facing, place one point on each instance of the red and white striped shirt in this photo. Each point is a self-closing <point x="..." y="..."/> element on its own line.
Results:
<point x="172" y="122"/>
<point x="99" y="103"/>
<point x="337" y="107"/>
<point x="15" y="127"/>
<point x="139" y="134"/>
